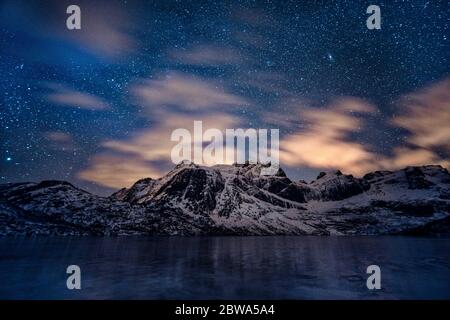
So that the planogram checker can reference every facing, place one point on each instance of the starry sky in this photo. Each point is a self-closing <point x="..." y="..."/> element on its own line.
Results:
<point x="96" y="106"/>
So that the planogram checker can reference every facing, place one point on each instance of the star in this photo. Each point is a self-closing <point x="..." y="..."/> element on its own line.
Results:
<point x="330" y="57"/>
<point x="293" y="58"/>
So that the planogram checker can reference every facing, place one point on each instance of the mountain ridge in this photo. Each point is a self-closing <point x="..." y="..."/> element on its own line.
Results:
<point x="236" y="200"/>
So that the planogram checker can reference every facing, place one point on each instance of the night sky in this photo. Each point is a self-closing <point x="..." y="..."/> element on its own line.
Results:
<point x="96" y="106"/>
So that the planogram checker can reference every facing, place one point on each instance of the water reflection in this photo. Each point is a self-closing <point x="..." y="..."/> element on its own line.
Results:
<point x="225" y="267"/>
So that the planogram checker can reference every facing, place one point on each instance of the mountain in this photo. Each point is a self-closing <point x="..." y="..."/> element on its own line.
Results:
<point x="236" y="200"/>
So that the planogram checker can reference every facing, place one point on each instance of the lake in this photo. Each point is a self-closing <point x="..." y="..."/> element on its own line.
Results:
<point x="225" y="267"/>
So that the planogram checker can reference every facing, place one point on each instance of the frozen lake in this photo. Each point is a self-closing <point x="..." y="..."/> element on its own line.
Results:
<point x="225" y="267"/>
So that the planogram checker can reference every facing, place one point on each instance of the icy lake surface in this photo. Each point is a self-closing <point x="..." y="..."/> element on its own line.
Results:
<point x="225" y="267"/>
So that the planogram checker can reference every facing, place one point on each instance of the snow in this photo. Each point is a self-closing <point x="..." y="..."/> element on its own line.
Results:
<point x="224" y="199"/>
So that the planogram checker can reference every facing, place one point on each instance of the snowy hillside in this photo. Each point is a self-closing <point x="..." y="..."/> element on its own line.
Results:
<point x="194" y="200"/>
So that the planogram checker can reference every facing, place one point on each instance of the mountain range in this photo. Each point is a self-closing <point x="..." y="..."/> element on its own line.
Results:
<point x="236" y="200"/>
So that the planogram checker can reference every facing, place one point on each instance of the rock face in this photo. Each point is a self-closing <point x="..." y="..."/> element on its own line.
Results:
<point x="333" y="186"/>
<point x="236" y="200"/>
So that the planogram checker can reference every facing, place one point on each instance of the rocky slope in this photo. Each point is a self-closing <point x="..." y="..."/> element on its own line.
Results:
<point x="197" y="200"/>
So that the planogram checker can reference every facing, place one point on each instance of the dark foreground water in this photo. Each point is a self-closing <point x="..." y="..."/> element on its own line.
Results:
<point x="225" y="268"/>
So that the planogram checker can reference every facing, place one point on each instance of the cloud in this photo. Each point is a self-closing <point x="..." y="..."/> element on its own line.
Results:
<point x="105" y="26"/>
<point x="325" y="143"/>
<point x="322" y="138"/>
<point x="287" y="114"/>
<point x="175" y="101"/>
<point x="126" y="161"/>
<point x="255" y="24"/>
<point x="404" y="156"/>
<point x="64" y="96"/>
<point x="185" y="92"/>
<point x="155" y="144"/>
<point x="426" y="115"/>
<point x="103" y="34"/>
<point x="251" y="39"/>
<point x="117" y="171"/>
<point x="206" y="55"/>
<point x="60" y="141"/>
<point x="58" y="136"/>
<point x="254" y="17"/>
<point x="269" y="82"/>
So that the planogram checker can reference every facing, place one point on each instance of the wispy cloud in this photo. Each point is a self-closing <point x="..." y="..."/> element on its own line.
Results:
<point x="141" y="156"/>
<point x="117" y="171"/>
<point x="404" y="156"/>
<point x="185" y="92"/>
<point x="58" y="136"/>
<point x="323" y="138"/>
<point x="176" y="101"/>
<point x="155" y="144"/>
<point x="206" y="55"/>
<point x="103" y="34"/>
<point x="253" y="17"/>
<point x="64" y="96"/>
<point x="105" y="26"/>
<point x="426" y="115"/>
<point x="60" y="141"/>
<point x="325" y="142"/>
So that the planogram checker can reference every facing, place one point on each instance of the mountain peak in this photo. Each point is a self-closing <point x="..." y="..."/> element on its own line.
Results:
<point x="335" y="173"/>
<point x="184" y="164"/>
<point x="235" y="199"/>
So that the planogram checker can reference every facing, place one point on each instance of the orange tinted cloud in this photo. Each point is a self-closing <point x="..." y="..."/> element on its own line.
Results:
<point x="324" y="142"/>
<point x="426" y="115"/>
<point x="404" y="156"/>
<point x="117" y="171"/>
<point x="155" y="144"/>
<point x="322" y="137"/>
<point x="185" y="92"/>
<point x="126" y="161"/>
<point x="176" y="101"/>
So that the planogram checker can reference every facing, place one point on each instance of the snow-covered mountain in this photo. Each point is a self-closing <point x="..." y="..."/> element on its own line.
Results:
<point x="196" y="200"/>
